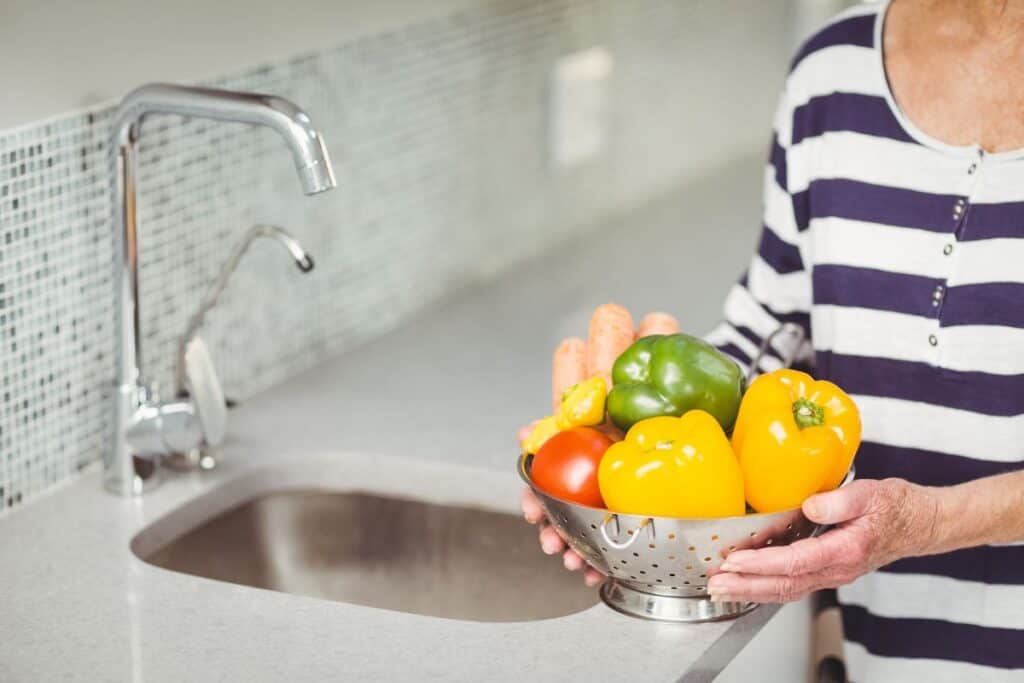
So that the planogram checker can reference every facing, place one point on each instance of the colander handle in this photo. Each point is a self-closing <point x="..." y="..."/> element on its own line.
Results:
<point x="616" y="544"/>
<point x="791" y="328"/>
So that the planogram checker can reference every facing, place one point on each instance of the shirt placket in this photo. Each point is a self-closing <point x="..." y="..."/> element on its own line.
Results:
<point x="974" y="171"/>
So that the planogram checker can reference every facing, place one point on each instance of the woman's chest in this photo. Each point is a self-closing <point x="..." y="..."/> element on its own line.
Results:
<point x="921" y="263"/>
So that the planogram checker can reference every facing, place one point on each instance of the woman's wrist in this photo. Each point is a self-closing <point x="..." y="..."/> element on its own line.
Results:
<point x="924" y="510"/>
<point x="931" y="508"/>
<point x="987" y="510"/>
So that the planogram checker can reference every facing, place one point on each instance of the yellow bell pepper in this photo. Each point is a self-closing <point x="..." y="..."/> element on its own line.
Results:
<point x="794" y="437"/>
<point x="673" y="467"/>
<point x="582" y="406"/>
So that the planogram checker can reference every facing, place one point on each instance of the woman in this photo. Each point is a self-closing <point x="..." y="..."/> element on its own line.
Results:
<point x="894" y="235"/>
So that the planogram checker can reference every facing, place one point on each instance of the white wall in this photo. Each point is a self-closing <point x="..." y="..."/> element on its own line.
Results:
<point x="59" y="55"/>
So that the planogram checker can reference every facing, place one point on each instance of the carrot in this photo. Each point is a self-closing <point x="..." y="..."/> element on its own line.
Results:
<point x="611" y="333"/>
<point x="657" y="323"/>
<point x="568" y="367"/>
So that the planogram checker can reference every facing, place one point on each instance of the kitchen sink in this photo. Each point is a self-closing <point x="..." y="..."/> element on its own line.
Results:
<point x="386" y="552"/>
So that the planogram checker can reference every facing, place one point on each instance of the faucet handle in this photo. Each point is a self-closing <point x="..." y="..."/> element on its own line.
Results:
<point x="205" y="390"/>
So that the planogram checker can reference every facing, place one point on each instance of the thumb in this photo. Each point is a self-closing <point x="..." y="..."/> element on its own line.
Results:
<point x="840" y="505"/>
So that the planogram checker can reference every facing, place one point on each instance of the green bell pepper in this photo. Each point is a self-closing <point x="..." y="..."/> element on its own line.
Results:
<point x="671" y="374"/>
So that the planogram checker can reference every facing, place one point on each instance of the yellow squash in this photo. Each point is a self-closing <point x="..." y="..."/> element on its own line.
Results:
<point x="582" y="406"/>
<point x="673" y="467"/>
<point x="794" y="437"/>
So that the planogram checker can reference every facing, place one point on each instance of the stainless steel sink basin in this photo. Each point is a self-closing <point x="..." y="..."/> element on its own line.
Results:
<point x="411" y="556"/>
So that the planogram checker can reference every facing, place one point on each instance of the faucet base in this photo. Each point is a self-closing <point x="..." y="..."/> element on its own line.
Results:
<point x="145" y="475"/>
<point x="195" y="459"/>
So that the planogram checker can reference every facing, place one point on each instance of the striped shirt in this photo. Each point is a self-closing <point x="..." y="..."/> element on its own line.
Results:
<point x="902" y="258"/>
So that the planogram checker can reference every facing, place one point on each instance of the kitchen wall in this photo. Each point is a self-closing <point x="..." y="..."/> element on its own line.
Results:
<point x="439" y="131"/>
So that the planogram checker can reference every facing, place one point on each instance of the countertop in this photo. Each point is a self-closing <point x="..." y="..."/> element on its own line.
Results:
<point x="439" y="400"/>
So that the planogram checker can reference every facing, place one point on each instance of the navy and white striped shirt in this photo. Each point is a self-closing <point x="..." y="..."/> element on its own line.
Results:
<point x="903" y="259"/>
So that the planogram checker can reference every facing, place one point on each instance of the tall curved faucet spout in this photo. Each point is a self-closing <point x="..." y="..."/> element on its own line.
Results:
<point x="126" y="472"/>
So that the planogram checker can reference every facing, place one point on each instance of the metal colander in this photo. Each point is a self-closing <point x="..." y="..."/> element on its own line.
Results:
<point x="658" y="567"/>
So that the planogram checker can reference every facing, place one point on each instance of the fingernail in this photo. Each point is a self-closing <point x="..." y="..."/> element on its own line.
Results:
<point x="548" y="548"/>
<point x="722" y="597"/>
<point x="728" y="566"/>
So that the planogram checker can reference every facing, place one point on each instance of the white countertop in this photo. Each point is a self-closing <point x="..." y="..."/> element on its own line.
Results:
<point x="78" y="605"/>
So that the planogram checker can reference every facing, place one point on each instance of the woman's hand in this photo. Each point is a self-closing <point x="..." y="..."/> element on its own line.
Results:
<point x="878" y="522"/>
<point x="551" y="541"/>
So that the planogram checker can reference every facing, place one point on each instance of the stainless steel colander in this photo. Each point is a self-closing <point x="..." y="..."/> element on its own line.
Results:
<point x="658" y="567"/>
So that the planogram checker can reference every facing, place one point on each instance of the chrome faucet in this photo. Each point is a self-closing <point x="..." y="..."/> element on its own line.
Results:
<point x="144" y="427"/>
<point x="194" y="375"/>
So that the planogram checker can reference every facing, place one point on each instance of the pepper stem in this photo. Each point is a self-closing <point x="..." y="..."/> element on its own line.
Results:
<point x="808" y="413"/>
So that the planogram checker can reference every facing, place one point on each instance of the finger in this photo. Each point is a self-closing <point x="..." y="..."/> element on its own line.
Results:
<point x="568" y="367"/>
<point x="532" y="510"/>
<point x="657" y="323"/>
<point x="550" y="542"/>
<point x="842" y="504"/>
<point x="801" y="557"/>
<point x="753" y="588"/>
<point x="592" y="577"/>
<point x="572" y="561"/>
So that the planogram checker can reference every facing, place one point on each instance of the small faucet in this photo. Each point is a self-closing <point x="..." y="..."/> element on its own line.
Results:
<point x="144" y="427"/>
<point x="194" y="375"/>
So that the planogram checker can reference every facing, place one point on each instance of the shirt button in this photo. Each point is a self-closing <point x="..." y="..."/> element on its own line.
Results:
<point x="933" y="340"/>
<point x="948" y="249"/>
<point x="971" y="169"/>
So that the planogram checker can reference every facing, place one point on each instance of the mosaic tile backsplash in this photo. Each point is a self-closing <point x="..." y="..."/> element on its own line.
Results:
<point x="438" y="132"/>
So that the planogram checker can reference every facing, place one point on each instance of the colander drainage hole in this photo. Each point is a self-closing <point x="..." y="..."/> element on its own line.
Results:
<point x="654" y="566"/>
<point x="643" y="571"/>
<point x="671" y="557"/>
<point x="689" y="566"/>
<point x="732" y="547"/>
<point x="622" y="561"/>
<point x="632" y="577"/>
<point x="658" y="580"/>
<point x="703" y="576"/>
<point x="671" y="537"/>
<point x="671" y="575"/>
<point x="593" y="527"/>
<point x="636" y="554"/>
<point x="675" y="588"/>
<point x="686" y="583"/>
<point x="714" y="537"/>
<point x="604" y="549"/>
<point x="651" y="545"/>
<point x="692" y="548"/>
<point x="707" y="559"/>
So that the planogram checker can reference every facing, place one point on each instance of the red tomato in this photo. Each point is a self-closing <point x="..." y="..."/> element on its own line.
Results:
<point x="566" y="465"/>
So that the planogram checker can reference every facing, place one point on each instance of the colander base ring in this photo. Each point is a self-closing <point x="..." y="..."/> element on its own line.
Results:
<point x="636" y="603"/>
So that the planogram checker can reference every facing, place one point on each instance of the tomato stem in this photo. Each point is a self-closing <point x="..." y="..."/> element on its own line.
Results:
<point x="808" y="413"/>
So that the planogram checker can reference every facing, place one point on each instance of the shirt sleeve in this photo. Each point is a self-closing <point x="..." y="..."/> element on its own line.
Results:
<point x="776" y="287"/>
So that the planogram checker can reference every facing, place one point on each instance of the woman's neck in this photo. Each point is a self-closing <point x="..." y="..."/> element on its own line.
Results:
<point x="956" y="69"/>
